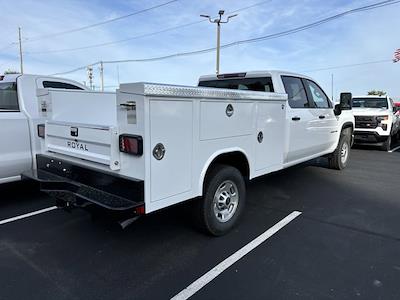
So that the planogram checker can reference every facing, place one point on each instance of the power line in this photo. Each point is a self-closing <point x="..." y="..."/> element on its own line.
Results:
<point x="348" y="66"/>
<point x="251" y="40"/>
<point x="117" y="41"/>
<point x="314" y="24"/>
<point x="8" y="46"/>
<point x="141" y="35"/>
<point x="98" y="23"/>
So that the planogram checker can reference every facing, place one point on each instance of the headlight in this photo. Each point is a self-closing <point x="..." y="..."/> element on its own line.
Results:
<point x="382" y="118"/>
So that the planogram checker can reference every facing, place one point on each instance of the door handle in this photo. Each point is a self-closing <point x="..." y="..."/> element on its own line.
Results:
<point x="322" y="117"/>
<point x="296" y="118"/>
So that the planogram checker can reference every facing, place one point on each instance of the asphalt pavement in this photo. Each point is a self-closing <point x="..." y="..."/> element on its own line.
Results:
<point x="344" y="245"/>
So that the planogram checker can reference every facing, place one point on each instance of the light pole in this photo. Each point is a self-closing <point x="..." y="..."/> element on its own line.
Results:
<point x="218" y="21"/>
<point x="21" y="63"/>
<point x="90" y="76"/>
<point x="102" y="76"/>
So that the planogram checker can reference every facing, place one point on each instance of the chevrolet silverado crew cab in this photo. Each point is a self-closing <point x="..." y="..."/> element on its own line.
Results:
<point x="157" y="145"/>
<point x="376" y="120"/>
<point x="19" y="116"/>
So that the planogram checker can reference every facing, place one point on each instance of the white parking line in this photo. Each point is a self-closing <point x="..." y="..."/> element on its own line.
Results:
<point x="221" y="267"/>
<point x="34" y="213"/>
<point x="394" y="149"/>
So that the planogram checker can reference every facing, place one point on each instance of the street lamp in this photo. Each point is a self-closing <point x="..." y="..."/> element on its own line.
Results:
<point x="218" y="21"/>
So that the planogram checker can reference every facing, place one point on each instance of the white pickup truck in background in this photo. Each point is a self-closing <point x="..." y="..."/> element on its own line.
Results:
<point x="377" y="121"/>
<point x="157" y="145"/>
<point x="19" y="117"/>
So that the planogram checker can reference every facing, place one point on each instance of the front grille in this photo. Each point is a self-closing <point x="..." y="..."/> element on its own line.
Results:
<point x="366" y="122"/>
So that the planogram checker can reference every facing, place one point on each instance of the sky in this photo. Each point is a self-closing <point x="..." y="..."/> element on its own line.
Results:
<point x="357" y="38"/>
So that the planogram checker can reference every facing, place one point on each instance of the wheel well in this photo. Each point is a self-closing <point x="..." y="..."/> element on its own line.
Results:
<point x="348" y="125"/>
<point x="235" y="159"/>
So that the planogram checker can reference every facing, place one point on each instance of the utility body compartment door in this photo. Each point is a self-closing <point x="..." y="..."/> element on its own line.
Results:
<point x="222" y="119"/>
<point x="270" y="135"/>
<point x="171" y="124"/>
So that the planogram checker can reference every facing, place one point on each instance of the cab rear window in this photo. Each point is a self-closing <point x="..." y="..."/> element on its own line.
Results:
<point x="263" y="84"/>
<point x="60" y="85"/>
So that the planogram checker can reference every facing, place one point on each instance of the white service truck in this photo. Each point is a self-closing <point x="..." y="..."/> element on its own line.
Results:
<point x="377" y="121"/>
<point x="157" y="145"/>
<point x="19" y="117"/>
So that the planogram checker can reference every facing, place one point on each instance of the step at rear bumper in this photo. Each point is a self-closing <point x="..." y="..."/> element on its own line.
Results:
<point x="65" y="179"/>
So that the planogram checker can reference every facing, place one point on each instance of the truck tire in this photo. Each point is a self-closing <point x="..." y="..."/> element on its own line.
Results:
<point x="339" y="158"/>
<point x="223" y="201"/>
<point x="386" y="144"/>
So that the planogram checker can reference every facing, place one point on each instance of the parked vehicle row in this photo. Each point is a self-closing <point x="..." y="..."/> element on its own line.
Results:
<point x="156" y="145"/>
<point x="19" y="117"/>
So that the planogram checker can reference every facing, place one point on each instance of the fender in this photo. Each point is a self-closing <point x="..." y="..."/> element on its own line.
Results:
<point x="212" y="158"/>
<point x="347" y="125"/>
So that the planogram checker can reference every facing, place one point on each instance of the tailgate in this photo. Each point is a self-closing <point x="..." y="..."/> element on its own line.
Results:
<point x="94" y="143"/>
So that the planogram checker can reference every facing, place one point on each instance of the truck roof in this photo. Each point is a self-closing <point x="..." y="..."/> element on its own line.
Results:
<point x="371" y="96"/>
<point x="251" y="74"/>
<point x="13" y="78"/>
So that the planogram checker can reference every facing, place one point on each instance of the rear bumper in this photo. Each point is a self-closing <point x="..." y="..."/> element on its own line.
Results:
<point x="74" y="184"/>
<point x="368" y="137"/>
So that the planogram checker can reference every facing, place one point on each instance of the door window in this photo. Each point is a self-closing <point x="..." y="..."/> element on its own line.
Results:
<point x="296" y="93"/>
<point x="8" y="97"/>
<point x="316" y="95"/>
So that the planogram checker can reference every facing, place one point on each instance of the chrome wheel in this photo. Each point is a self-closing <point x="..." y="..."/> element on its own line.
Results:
<point x="226" y="200"/>
<point x="344" y="152"/>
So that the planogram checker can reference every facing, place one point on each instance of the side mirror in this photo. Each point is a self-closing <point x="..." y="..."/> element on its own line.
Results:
<point x="337" y="110"/>
<point x="346" y="101"/>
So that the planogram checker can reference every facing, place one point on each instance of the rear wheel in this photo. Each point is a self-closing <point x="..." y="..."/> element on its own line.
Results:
<point x="223" y="200"/>
<point x="386" y="145"/>
<point x="339" y="158"/>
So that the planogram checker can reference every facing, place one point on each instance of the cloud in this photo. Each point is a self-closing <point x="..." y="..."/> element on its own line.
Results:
<point x="362" y="37"/>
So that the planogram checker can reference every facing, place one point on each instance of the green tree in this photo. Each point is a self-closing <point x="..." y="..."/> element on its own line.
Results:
<point x="376" y="93"/>
<point x="9" y="71"/>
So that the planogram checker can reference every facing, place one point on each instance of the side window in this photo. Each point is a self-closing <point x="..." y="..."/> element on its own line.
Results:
<point x="296" y="93"/>
<point x="317" y="95"/>
<point x="8" y="97"/>
<point x="60" y="85"/>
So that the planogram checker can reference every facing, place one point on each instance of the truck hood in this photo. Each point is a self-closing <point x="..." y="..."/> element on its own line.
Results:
<point x="362" y="111"/>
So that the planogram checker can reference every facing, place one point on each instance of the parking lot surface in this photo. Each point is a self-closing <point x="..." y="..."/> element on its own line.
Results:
<point x="344" y="245"/>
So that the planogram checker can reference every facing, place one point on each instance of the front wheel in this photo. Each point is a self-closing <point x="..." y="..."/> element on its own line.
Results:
<point x="223" y="200"/>
<point x="338" y="160"/>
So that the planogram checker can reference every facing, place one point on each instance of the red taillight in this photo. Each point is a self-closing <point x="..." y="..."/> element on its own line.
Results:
<point x="131" y="144"/>
<point x="140" y="210"/>
<point x="41" y="129"/>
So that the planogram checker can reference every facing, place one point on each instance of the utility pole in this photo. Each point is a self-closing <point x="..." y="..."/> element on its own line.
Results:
<point x="332" y="87"/>
<point x="218" y="21"/>
<point x="20" y="51"/>
<point x="102" y="76"/>
<point x="90" y="76"/>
